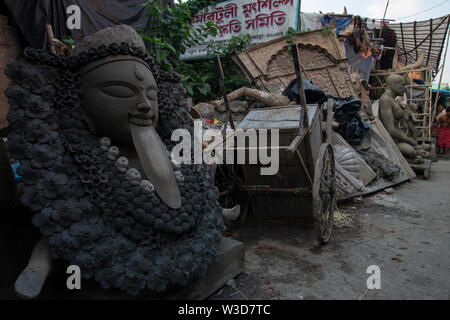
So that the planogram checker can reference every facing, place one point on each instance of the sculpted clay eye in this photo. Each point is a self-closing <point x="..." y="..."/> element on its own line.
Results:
<point x="118" y="91"/>
<point x="151" y="94"/>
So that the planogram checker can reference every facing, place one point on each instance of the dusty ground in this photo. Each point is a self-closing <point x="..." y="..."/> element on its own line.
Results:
<point x="406" y="233"/>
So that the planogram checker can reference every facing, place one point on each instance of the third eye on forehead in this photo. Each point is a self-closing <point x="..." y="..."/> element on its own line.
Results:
<point x="142" y="73"/>
<point x="138" y="72"/>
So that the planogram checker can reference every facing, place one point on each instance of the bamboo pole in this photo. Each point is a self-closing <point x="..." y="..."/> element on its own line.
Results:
<point x="382" y="23"/>
<point x="440" y="79"/>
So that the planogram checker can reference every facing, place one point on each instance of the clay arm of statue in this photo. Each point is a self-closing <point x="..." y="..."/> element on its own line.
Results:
<point x="412" y="128"/>
<point x="411" y="120"/>
<point x="30" y="282"/>
<point x="387" y="117"/>
<point x="412" y="112"/>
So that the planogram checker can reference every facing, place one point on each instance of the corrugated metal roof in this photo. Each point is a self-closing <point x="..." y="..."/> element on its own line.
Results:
<point x="416" y="37"/>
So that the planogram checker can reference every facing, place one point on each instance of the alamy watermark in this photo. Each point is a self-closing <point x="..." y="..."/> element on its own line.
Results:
<point x="259" y="149"/>
<point x="73" y="17"/>
<point x="74" y="280"/>
<point x="374" y="281"/>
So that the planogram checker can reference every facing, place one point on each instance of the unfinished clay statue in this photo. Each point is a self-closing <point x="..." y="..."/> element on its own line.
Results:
<point x="396" y="118"/>
<point x="97" y="172"/>
<point x="106" y="84"/>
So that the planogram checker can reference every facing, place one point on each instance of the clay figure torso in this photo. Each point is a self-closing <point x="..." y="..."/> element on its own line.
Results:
<point x="396" y="119"/>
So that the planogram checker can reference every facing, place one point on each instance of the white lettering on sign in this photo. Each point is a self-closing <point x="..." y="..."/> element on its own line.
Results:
<point x="263" y="20"/>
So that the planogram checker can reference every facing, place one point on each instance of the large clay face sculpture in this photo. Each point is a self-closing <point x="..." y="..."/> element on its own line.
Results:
<point x="121" y="99"/>
<point x="113" y="221"/>
<point x="119" y="91"/>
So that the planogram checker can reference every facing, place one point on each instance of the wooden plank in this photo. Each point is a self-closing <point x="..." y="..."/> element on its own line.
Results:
<point x="383" y="73"/>
<point x="221" y="78"/>
<point x="269" y="189"/>
<point x="334" y="85"/>
<point x="298" y="140"/>
<point x="329" y="120"/>
<point x="303" y="122"/>
<point x="305" y="167"/>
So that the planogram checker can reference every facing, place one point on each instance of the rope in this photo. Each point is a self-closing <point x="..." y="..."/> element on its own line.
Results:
<point x="423" y="11"/>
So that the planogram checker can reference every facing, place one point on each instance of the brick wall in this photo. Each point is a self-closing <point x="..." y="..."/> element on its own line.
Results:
<point x="10" y="47"/>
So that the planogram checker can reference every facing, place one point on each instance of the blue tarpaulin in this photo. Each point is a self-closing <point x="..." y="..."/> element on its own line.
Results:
<point x="442" y="92"/>
<point x="341" y="22"/>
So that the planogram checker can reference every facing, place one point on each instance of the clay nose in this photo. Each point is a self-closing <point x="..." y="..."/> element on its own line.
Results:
<point x="144" y="107"/>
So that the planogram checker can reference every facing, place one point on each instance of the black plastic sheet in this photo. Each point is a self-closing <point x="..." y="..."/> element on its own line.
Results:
<point x="351" y="126"/>
<point x="32" y="16"/>
<point x="346" y="110"/>
<point x="313" y="93"/>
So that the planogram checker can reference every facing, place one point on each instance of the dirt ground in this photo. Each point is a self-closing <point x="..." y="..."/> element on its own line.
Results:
<point x="406" y="234"/>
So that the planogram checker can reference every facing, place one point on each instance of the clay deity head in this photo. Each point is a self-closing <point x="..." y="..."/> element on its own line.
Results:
<point x="119" y="91"/>
<point x="397" y="84"/>
<point x="120" y="97"/>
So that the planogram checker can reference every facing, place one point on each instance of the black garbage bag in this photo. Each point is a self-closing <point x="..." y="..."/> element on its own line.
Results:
<point x="312" y="92"/>
<point x="351" y="126"/>
<point x="346" y="110"/>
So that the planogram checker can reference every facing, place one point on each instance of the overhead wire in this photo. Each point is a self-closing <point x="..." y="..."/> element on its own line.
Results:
<point x="423" y="11"/>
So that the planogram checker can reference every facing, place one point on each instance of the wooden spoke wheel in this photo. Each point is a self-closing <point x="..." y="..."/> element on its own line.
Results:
<point x="324" y="193"/>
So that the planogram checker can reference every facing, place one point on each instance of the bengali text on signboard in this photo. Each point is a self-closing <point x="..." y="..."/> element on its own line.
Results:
<point x="263" y="20"/>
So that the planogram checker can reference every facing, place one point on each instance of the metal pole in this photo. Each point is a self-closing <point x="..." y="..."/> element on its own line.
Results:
<point x="301" y="92"/>
<point x="384" y="16"/>
<point x="221" y="77"/>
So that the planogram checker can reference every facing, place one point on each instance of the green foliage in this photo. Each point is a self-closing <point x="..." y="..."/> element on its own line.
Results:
<point x="236" y="43"/>
<point x="200" y="78"/>
<point x="197" y="5"/>
<point x="326" y="31"/>
<point x="68" y="40"/>
<point x="291" y="33"/>
<point x="171" y="32"/>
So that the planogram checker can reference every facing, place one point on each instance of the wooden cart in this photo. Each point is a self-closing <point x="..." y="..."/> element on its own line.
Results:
<point x="304" y="187"/>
